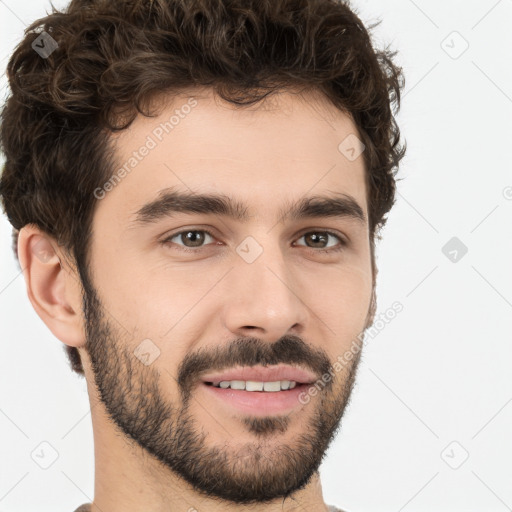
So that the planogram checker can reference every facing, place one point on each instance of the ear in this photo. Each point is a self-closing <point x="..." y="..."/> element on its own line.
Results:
<point x="53" y="287"/>
<point x="373" y="301"/>
<point x="372" y="309"/>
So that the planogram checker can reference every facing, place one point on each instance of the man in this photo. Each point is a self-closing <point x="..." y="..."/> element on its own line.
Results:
<point x="196" y="188"/>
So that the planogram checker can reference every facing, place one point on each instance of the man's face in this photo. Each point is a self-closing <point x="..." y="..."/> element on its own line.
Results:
<point x="183" y="300"/>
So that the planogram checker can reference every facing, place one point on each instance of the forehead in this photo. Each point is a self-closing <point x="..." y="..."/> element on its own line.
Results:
<point x="286" y="147"/>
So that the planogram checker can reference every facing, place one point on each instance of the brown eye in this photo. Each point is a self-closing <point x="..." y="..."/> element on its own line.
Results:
<point x="320" y="240"/>
<point x="317" y="239"/>
<point x="189" y="238"/>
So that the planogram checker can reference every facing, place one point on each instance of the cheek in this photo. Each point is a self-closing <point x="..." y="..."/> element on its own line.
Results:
<point x="342" y="299"/>
<point x="143" y="298"/>
<point x="168" y="306"/>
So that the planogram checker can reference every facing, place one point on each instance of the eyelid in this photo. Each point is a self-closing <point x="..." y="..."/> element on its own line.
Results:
<point x="334" y="232"/>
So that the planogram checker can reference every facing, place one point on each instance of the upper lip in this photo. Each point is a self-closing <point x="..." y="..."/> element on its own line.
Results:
<point x="262" y="374"/>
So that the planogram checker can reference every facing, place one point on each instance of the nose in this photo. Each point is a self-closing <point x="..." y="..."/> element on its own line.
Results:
<point x="264" y="298"/>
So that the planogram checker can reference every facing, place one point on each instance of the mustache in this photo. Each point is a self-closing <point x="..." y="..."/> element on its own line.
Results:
<point x="290" y="350"/>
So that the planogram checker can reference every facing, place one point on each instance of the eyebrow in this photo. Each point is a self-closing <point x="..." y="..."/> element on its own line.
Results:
<point x="171" y="202"/>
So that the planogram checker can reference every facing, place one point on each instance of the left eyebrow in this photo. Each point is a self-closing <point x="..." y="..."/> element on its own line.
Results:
<point x="171" y="202"/>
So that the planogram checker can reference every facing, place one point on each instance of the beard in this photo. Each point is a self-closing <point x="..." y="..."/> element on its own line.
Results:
<point x="253" y="472"/>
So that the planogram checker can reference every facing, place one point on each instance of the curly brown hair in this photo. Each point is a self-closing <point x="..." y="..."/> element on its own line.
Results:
<point x="110" y="58"/>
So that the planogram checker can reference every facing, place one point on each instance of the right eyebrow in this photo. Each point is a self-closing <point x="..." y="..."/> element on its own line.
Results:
<point x="169" y="202"/>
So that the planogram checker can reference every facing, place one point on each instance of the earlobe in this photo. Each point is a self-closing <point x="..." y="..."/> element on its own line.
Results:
<point x="52" y="288"/>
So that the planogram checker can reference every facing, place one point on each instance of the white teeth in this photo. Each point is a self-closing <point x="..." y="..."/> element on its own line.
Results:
<point x="252" y="385"/>
<point x="272" y="386"/>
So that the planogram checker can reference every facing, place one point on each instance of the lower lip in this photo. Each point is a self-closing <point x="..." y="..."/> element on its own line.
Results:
<point x="258" y="403"/>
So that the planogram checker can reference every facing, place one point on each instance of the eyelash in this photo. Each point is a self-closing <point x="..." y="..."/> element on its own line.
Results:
<point x="338" y="248"/>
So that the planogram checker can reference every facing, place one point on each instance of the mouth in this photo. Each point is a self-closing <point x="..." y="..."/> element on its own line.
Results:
<point x="259" y="391"/>
<point x="252" y="385"/>
<point x="261" y="378"/>
<point x="252" y="401"/>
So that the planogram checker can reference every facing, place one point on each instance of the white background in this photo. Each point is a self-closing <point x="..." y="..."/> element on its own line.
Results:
<point x="436" y="376"/>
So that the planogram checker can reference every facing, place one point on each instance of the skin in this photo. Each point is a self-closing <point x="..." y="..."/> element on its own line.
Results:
<point x="156" y="431"/>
